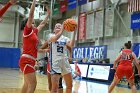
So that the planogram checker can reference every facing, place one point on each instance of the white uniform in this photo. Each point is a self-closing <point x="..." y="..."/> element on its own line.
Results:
<point x="58" y="56"/>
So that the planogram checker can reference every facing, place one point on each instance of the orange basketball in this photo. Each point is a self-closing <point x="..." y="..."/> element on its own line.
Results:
<point x="70" y="25"/>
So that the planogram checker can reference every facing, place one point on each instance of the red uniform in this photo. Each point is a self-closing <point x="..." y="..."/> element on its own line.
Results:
<point x="3" y="10"/>
<point x="78" y="69"/>
<point x="30" y="42"/>
<point x="125" y="66"/>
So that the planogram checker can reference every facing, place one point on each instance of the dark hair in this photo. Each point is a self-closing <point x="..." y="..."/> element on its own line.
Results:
<point x="23" y="24"/>
<point x="128" y="45"/>
<point x="129" y="42"/>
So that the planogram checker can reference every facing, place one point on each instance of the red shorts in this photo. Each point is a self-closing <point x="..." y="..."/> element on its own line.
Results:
<point x="27" y="65"/>
<point x="124" y="71"/>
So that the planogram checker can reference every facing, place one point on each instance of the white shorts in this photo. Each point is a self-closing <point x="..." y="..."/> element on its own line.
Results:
<point x="60" y="67"/>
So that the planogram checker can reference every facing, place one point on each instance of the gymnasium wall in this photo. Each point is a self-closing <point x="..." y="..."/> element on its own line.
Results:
<point x="121" y="31"/>
<point x="121" y="34"/>
<point x="7" y="32"/>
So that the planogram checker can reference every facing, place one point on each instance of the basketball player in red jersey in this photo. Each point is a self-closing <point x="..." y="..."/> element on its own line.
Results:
<point x="125" y="67"/>
<point x="29" y="55"/>
<point x="77" y="70"/>
<point x="3" y="10"/>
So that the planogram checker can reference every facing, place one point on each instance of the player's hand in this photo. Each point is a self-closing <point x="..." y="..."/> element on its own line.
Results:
<point x="13" y="1"/>
<point x="48" y="10"/>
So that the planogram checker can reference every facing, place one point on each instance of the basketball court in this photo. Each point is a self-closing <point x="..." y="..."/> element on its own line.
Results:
<point x="11" y="81"/>
<point x="102" y="27"/>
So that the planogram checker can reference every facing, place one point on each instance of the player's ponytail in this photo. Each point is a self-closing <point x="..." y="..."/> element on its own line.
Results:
<point x="128" y="45"/>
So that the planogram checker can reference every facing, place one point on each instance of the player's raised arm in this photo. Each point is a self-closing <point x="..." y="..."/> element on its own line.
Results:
<point x="31" y="14"/>
<point x="42" y="24"/>
<point x="4" y="9"/>
<point x="44" y="47"/>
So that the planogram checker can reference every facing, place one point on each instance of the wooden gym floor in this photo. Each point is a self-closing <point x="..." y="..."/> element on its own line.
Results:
<point x="11" y="82"/>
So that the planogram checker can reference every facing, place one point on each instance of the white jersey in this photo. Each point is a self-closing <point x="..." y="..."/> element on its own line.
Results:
<point x="58" y="49"/>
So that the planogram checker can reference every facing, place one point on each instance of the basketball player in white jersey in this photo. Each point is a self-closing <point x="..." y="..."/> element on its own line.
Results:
<point x="59" y="59"/>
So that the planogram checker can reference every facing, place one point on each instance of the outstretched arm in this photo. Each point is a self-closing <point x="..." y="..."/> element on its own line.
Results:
<point x="3" y="10"/>
<point x="72" y="42"/>
<point x="42" y="24"/>
<point x="44" y="47"/>
<point x="69" y="54"/>
<point x="31" y="14"/>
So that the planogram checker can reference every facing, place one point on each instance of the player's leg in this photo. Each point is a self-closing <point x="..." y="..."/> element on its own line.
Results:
<point x="29" y="76"/>
<point x="68" y="80"/>
<point x="67" y="75"/>
<point x="25" y="86"/>
<point x="118" y="75"/>
<point x="130" y="78"/>
<point x="49" y="81"/>
<point x="31" y="82"/>
<point x="55" y="82"/>
<point x="132" y="85"/>
<point x="113" y="84"/>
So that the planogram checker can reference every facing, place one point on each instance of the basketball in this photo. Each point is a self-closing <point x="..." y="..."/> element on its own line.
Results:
<point x="70" y="25"/>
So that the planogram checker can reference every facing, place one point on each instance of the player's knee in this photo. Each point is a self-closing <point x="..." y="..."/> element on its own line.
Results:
<point x="115" y="83"/>
<point x="69" y="86"/>
<point x="131" y="84"/>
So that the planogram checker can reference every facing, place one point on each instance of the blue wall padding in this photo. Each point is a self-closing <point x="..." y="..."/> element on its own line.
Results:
<point x="9" y="57"/>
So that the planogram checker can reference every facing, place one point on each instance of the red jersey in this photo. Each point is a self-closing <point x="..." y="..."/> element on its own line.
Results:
<point x="30" y="41"/>
<point x="3" y="10"/>
<point x="125" y="66"/>
<point x="126" y="57"/>
<point x="77" y="69"/>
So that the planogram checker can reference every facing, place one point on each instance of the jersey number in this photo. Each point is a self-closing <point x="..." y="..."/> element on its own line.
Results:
<point x="126" y="56"/>
<point x="60" y="49"/>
